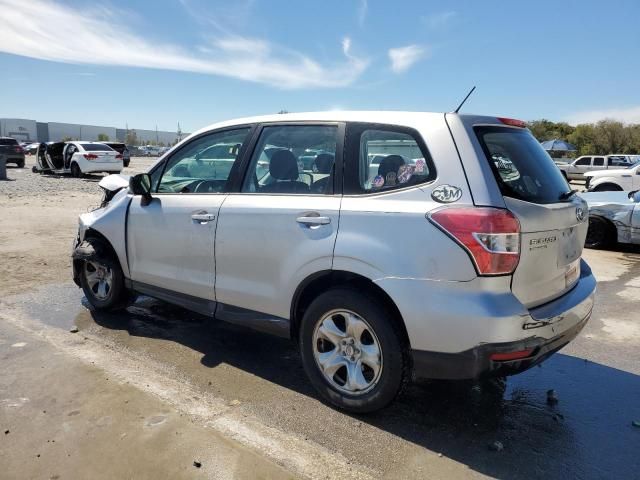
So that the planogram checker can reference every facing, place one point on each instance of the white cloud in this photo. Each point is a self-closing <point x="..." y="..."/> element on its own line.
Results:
<point x="363" y="8"/>
<point x="439" y="20"/>
<point x="626" y="115"/>
<point x="402" y="58"/>
<point x="51" y="31"/>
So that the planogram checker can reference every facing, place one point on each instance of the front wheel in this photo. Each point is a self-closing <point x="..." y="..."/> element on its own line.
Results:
<point x="601" y="233"/>
<point x="101" y="277"/>
<point x="353" y="351"/>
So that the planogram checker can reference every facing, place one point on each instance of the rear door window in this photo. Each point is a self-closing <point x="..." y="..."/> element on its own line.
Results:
<point x="386" y="157"/>
<point x="598" y="161"/>
<point x="521" y="166"/>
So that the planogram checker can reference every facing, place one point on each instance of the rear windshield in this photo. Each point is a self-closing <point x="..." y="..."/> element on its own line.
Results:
<point x="96" y="147"/>
<point x="8" y="141"/>
<point x="520" y="165"/>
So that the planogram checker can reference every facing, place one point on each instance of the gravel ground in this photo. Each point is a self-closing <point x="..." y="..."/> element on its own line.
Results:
<point x="23" y="182"/>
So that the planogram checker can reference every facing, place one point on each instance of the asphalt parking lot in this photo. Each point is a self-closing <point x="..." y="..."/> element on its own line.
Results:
<point x="201" y="392"/>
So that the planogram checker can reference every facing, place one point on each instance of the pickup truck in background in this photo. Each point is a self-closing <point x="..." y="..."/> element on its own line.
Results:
<point x="12" y="150"/>
<point x="614" y="179"/>
<point x="588" y="163"/>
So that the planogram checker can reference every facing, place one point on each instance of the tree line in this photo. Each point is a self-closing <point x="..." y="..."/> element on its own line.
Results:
<point x="602" y="138"/>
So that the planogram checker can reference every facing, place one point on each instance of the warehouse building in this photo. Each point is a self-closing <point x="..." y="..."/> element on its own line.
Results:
<point x="25" y="130"/>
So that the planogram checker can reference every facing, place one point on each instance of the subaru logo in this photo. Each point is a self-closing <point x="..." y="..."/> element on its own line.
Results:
<point x="580" y="214"/>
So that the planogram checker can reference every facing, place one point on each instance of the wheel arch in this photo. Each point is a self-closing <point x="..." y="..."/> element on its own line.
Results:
<point x="322" y="281"/>
<point x="604" y="183"/>
<point x="92" y="234"/>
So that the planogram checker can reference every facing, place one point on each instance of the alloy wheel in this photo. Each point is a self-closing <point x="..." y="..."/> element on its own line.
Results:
<point x="347" y="352"/>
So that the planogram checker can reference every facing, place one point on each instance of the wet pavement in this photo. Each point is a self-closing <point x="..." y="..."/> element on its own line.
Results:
<point x="436" y="429"/>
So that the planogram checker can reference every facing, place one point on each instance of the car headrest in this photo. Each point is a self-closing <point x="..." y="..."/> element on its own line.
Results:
<point x="283" y="165"/>
<point x="390" y="163"/>
<point x="323" y="163"/>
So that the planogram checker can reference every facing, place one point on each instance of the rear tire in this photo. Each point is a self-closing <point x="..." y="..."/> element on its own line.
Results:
<point x="20" y="164"/>
<point x="101" y="277"/>
<point x="353" y="350"/>
<point x="601" y="233"/>
<point x="75" y="170"/>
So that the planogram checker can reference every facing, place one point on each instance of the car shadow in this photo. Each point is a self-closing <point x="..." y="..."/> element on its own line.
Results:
<point x="501" y="428"/>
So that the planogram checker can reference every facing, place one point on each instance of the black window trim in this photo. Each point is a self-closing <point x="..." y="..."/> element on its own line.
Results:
<point x="252" y="144"/>
<point x="352" y="187"/>
<point x="234" y="168"/>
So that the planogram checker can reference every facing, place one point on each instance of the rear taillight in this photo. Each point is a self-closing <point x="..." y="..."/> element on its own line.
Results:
<point x="19" y="150"/>
<point x="90" y="156"/>
<point x="491" y="236"/>
<point x="513" y="122"/>
<point x="118" y="157"/>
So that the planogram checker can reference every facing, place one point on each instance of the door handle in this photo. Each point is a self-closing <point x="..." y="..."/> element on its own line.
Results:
<point x="313" y="221"/>
<point x="203" y="217"/>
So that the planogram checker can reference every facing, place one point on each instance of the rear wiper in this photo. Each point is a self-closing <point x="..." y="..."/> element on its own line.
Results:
<point x="569" y="194"/>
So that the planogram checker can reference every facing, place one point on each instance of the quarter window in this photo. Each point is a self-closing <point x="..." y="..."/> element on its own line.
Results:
<point x="390" y="158"/>
<point x="293" y="159"/>
<point x="204" y="164"/>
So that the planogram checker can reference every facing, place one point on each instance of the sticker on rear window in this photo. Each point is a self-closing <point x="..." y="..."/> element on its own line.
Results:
<point x="378" y="181"/>
<point x="446" y="193"/>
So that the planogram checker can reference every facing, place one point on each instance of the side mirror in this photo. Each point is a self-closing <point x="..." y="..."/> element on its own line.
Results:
<point x="141" y="185"/>
<point x="634" y="196"/>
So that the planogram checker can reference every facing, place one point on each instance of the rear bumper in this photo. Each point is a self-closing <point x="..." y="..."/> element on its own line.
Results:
<point x="546" y="329"/>
<point x="477" y="362"/>
<point x="88" y="167"/>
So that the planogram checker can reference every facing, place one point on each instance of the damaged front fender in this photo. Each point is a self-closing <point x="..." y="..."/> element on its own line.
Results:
<point x="107" y="224"/>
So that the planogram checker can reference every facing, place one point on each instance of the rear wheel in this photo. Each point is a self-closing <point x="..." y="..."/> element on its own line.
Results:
<point x="20" y="164"/>
<point x="601" y="233"/>
<point x="75" y="170"/>
<point x="353" y="350"/>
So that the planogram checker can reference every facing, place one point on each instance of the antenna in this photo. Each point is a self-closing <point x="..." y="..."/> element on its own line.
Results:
<point x="465" y="99"/>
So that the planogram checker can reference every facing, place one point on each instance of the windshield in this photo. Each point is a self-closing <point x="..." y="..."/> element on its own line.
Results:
<point x="521" y="166"/>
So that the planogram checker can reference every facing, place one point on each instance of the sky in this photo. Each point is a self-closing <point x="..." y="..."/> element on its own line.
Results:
<point x="156" y="63"/>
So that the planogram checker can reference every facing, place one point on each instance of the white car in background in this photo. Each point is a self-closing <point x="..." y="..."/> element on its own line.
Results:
<point x="77" y="158"/>
<point x="618" y="179"/>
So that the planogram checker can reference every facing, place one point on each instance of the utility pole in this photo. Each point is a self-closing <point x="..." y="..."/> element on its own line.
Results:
<point x="157" y="141"/>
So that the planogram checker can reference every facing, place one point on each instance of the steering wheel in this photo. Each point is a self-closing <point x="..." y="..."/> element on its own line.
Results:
<point x="207" y="186"/>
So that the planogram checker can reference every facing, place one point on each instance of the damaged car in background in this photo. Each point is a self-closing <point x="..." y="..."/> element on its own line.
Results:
<point x="77" y="158"/>
<point x="614" y="217"/>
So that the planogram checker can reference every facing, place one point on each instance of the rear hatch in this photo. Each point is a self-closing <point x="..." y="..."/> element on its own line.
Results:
<point x="553" y="221"/>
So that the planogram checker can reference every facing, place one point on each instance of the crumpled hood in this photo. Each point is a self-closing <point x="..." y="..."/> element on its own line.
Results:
<point x="112" y="183"/>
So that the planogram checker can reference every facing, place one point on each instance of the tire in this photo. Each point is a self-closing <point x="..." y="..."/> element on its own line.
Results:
<point x="34" y="169"/>
<point x="607" y="187"/>
<point x="366" y="337"/>
<point x="601" y="233"/>
<point x="101" y="276"/>
<point x="20" y="164"/>
<point x="75" y="170"/>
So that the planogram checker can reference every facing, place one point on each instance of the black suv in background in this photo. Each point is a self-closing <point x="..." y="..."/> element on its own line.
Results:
<point x="12" y="150"/>
<point x="122" y="149"/>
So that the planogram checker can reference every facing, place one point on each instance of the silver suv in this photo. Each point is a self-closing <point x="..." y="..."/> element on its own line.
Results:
<point x="442" y="245"/>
